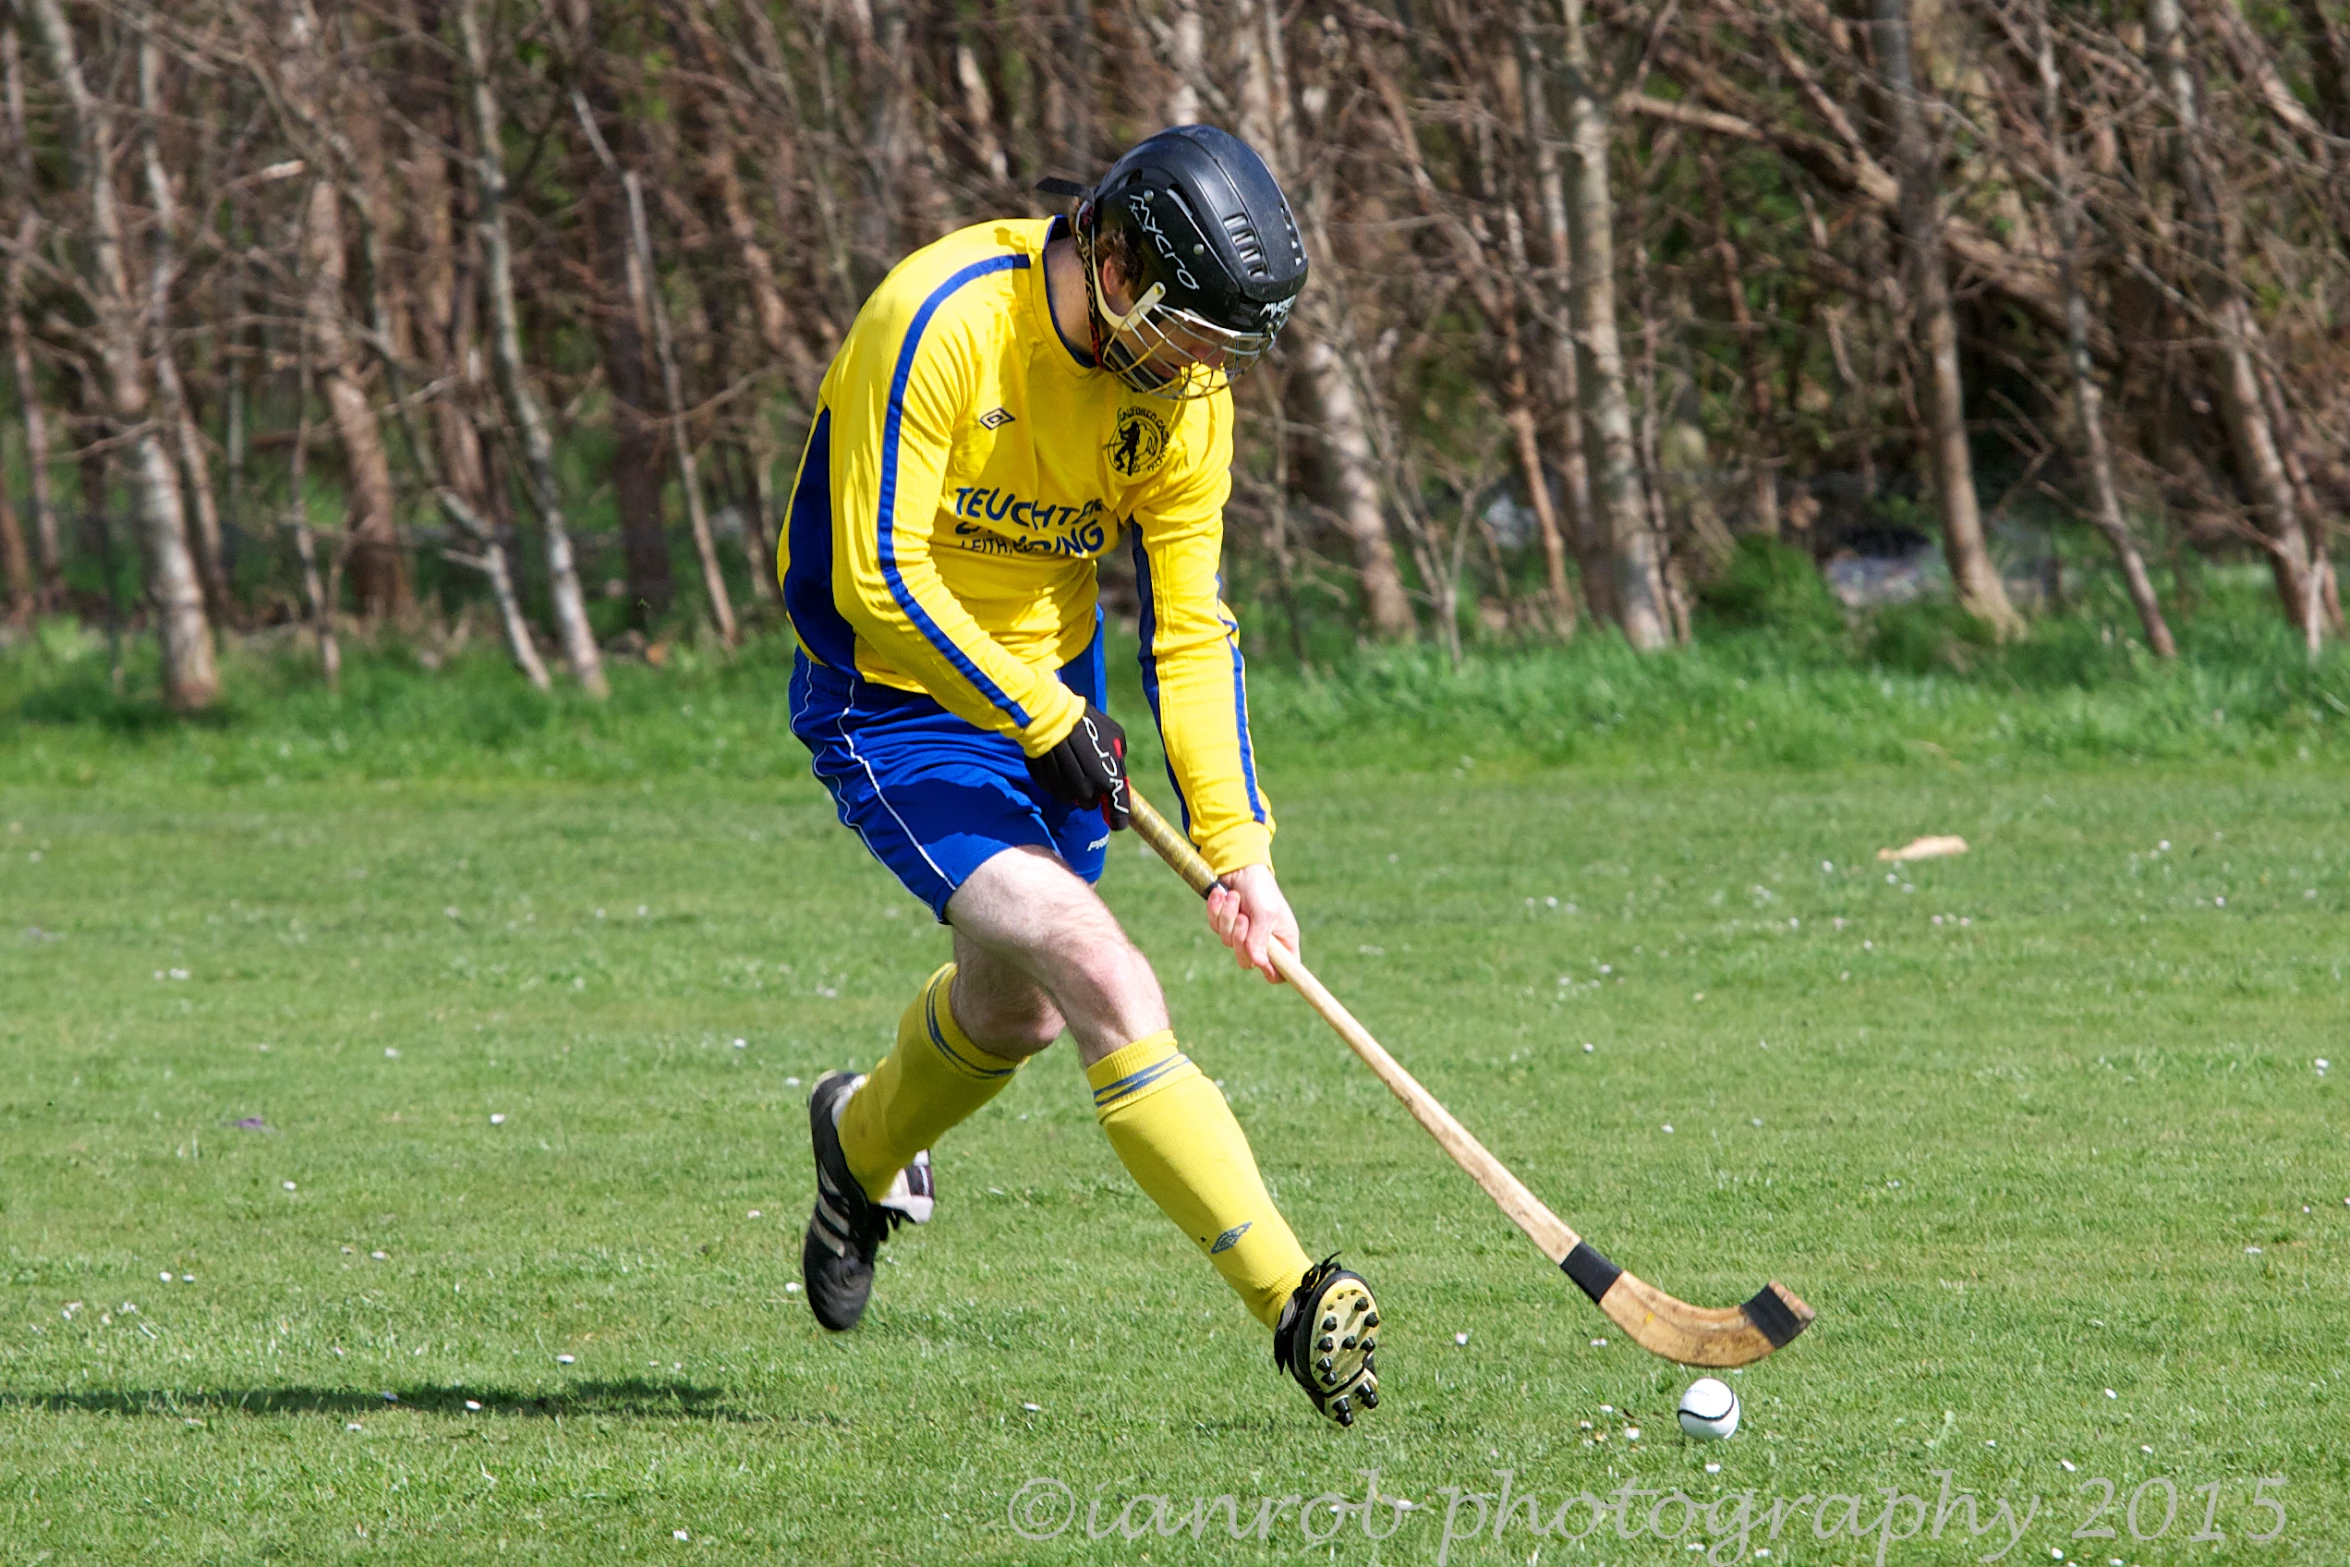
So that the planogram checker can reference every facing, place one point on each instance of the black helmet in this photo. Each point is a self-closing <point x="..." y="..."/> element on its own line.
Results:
<point x="1204" y="236"/>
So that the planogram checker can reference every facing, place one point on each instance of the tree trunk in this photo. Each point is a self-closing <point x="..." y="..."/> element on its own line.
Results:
<point x="1705" y="528"/>
<point x="2329" y="66"/>
<point x="626" y="326"/>
<point x="522" y="403"/>
<point x="779" y="143"/>
<point x="1187" y="59"/>
<point x="2088" y="398"/>
<point x="761" y="452"/>
<point x="93" y="466"/>
<point x="1635" y="564"/>
<point x="2260" y="463"/>
<point x="889" y="153"/>
<point x="721" y="136"/>
<point x="191" y="677"/>
<point x="1350" y="458"/>
<point x="1076" y="49"/>
<point x="2297" y="473"/>
<point x="689" y="477"/>
<point x="1529" y="304"/>
<point x="1581" y="524"/>
<point x="1353" y="486"/>
<point x="491" y="562"/>
<point x="171" y="397"/>
<point x="1495" y="285"/>
<point x="1762" y="475"/>
<point x="1971" y="571"/>
<point x="636" y="444"/>
<point x="720" y="139"/>
<point x="379" y="572"/>
<point x="36" y="431"/>
<point x="48" y="552"/>
<point x="979" y="112"/>
<point x="235" y="394"/>
<point x="16" y="564"/>
<point x="460" y="507"/>
<point x="315" y="596"/>
<point x="445" y="312"/>
<point x="1525" y="430"/>
<point x="371" y="533"/>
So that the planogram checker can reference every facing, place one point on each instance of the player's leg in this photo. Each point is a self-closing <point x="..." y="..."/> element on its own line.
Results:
<point x="953" y="815"/>
<point x="871" y="1132"/>
<point x="1004" y="1010"/>
<point x="1036" y="946"/>
<point x="1025" y="914"/>
<point x="973" y="1024"/>
<point x="935" y="1075"/>
<point x="931" y="798"/>
<point x="978" y="1019"/>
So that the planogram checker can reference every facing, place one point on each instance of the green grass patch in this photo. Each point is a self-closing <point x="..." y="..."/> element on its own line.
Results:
<point x="2025" y="1126"/>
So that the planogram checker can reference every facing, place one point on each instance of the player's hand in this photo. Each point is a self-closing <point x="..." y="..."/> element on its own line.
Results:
<point x="1088" y="767"/>
<point x="1248" y="913"/>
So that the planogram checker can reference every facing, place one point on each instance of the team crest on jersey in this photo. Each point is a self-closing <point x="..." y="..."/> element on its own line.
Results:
<point x="1141" y="444"/>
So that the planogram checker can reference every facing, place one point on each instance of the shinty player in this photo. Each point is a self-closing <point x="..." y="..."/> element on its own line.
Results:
<point x="1010" y="401"/>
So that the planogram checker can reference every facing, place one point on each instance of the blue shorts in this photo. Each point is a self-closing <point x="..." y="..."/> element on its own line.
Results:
<point x="935" y="797"/>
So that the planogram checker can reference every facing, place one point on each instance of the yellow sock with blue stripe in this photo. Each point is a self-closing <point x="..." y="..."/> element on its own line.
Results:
<point x="1177" y="1138"/>
<point x="933" y="1078"/>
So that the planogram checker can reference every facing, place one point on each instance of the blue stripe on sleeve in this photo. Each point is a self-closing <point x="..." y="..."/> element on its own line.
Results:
<point x="1088" y="674"/>
<point x="1149" y="656"/>
<point x="1149" y="652"/>
<point x="887" y="521"/>
<point x="1248" y="750"/>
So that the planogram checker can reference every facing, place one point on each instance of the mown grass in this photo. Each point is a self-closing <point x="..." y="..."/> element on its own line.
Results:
<point x="2013" y="1122"/>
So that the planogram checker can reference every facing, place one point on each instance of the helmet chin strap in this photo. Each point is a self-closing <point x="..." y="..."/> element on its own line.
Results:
<point x="1135" y="317"/>
<point x="1079" y="232"/>
<point x="1098" y="315"/>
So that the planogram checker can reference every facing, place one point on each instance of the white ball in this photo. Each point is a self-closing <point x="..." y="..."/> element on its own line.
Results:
<point x="1709" y="1410"/>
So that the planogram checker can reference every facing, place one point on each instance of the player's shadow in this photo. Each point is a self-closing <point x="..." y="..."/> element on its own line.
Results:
<point x="633" y="1398"/>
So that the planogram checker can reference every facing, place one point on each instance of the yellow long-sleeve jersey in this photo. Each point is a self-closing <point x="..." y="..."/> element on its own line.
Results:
<point x="967" y="469"/>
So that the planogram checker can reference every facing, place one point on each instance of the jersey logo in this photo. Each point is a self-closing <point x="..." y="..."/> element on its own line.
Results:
<point x="995" y="418"/>
<point x="1141" y="444"/>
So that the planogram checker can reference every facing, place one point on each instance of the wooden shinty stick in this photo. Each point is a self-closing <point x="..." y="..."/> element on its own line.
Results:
<point x="1656" y="1321"/>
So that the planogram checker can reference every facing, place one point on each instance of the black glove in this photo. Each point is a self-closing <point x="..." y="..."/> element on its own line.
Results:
<point x="1088" y="767"/>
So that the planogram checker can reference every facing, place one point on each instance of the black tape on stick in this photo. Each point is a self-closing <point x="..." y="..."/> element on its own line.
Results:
<point x="1771" y="1318"/>
<point x="1593" y="1272"/>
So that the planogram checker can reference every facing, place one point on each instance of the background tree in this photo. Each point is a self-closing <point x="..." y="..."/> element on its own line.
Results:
<point x="1608" y="297"/>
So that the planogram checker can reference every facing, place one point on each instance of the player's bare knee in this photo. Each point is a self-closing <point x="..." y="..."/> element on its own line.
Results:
<point x="1004" y="1012"/>
<point x="1013" y="1027"/>
<point x="1113" y="969"/>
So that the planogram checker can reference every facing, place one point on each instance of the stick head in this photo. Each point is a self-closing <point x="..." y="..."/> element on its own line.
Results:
<point x="1705" y="1335"/>
<point x="1678" y="1331"/>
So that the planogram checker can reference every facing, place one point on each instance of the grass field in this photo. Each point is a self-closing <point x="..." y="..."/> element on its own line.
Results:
<point x="2039" y="1131"/>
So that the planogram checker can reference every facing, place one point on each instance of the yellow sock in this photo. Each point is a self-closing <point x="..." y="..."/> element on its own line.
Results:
<point x="1176" y="1136"/>
<point x="932" y="1079"/>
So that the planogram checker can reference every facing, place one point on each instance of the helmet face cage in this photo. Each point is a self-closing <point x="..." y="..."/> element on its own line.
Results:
<point x="1157" y="348"/>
